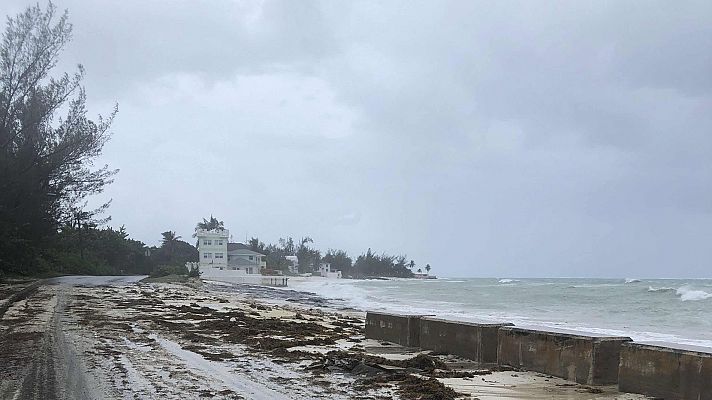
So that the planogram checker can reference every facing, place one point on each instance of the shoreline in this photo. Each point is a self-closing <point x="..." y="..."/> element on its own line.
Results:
<point x="194" y="340"/>
<point x="374" y="297"/>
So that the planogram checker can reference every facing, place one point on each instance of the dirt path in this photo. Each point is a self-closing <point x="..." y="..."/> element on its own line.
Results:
<point x="37" y="359"/>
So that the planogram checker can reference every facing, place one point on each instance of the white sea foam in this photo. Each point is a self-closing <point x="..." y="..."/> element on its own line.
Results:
<point x="456" y="303"/>
<point x="660" y="289"/>
<point x="632" y="280"/>
<point x="687" y="293"/>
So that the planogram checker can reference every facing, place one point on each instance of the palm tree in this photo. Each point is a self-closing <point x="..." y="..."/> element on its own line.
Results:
<point x="420" y="271"/>
<point x="427" y="268"/>
<point x="209" y="224"/>
<point x="411" y="265"/>
<point x="170" y="239"/>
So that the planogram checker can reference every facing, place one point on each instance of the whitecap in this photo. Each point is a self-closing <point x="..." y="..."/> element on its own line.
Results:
<point x="686" y="293"/>
<point x="660" y="289"/>
<point x="632" y="280"/>
<point x="506" y="280"/>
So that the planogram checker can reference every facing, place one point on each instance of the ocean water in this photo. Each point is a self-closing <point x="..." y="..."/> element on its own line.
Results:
<point x="660" y="310"/>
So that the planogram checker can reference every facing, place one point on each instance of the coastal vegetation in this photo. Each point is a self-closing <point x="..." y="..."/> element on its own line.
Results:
<point x="48" y="148"/>
<point x="368" y="264"/>
<point x="46" y="159"/>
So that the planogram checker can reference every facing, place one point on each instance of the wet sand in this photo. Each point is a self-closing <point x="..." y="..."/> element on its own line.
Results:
<point x="209" y="340"/>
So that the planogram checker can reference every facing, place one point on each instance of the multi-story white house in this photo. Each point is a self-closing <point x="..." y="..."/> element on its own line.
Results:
<point x="212" y="248"/>
<point x="231" y="262"/>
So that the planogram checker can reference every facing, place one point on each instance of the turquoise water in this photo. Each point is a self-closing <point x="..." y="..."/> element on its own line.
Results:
<point x="676" y="311"/>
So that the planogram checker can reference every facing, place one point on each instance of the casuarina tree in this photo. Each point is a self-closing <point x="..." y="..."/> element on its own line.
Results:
<point x="48" y="145"/>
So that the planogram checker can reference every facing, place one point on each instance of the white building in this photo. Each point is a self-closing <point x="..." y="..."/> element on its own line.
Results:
<point x="326" y="272"/>
<point x="212" y="248"/>
<point x="216" y="252"/>
<point x="231" y="262"/>
<point x="293" y="264"/>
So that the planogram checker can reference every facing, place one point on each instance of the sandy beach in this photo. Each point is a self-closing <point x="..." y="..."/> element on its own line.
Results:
<point x="101" y="338"/>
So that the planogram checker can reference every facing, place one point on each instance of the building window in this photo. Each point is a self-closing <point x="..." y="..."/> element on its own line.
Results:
<point x="219" y="242"/>
<point x="218" y="255"/>
<point x="207" y="242"/>
<point x="207" y="255"/>
<point x="250" y="258"/>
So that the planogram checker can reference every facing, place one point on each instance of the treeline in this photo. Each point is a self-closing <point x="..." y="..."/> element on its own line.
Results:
<point x="47" y="168"/>
<point x="108" y="251"/>
<point x="368" y="264"/>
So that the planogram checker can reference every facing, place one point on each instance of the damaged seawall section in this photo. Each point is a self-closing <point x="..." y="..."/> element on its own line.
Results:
<point x="591" y="360"/>
<point x="474" y="341"/>
<point x="665" y="372"/>
<point x="401" y="329"/>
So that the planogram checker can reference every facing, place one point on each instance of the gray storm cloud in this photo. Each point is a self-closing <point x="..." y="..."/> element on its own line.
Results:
<point x="484" y="138"/>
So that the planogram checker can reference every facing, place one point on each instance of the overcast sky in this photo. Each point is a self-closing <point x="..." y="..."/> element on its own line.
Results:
<point x="503" y="139"/>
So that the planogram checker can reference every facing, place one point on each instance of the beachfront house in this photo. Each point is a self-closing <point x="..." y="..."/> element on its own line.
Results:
<point x="216" y="253"/>
<point x="212" y="248"/>
<point x="293" y="262"/>
<point x="240" y="257"/>
<point x="223" y="261"/>
<point x="326" y="272"/>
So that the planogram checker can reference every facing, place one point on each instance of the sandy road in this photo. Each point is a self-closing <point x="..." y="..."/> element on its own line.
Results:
<point x="37" y="360"/>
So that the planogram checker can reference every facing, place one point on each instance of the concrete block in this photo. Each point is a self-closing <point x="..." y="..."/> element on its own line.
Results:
<point x="584" y="358"/>
<point x="395" y="328"/>
<point x="682" y="372"/>
<point x="474" y="341"/>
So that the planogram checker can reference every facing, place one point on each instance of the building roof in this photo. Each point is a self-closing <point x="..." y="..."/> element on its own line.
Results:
<point x="237" y="261"/>
<point x="239" y="248"/>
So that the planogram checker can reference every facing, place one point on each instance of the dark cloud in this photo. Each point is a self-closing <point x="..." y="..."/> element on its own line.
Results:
<point x="485" y="138"/>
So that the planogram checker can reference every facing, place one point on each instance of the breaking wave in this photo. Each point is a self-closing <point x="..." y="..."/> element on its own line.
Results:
<point x="508" y="280"/>
<point x="632" y="280"/>
<point x="661" y="289"/>
<point x="686" y="293"/>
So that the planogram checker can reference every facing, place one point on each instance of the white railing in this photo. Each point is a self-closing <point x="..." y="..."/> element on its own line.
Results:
<point x="213" y="232"/>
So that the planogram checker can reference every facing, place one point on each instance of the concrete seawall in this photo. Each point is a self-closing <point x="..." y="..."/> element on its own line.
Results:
<point x="649" y="369"/>
<point x="474" y="341"/>
<point x="665" y="372"/>
<point x="591" y="360"/>
<point x="401" y="329"/>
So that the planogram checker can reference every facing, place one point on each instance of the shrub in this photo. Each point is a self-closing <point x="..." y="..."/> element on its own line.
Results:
<point x="165" y="270"/>
<point x="194" y="272"/>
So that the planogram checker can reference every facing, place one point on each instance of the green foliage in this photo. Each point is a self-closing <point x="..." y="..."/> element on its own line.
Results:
<point x="370" y="264"/>
<point x="46" y="161"/>
<point x="340" y="261"/>
<point x="194" y="272"/>
<point x="366" y="265"/>
<point x="309" y="258"/>
<point x="173" y="251"/>
<point x="209" y="224"/>
<point x="165" y="270"/>
<point x="94" y="251"/>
